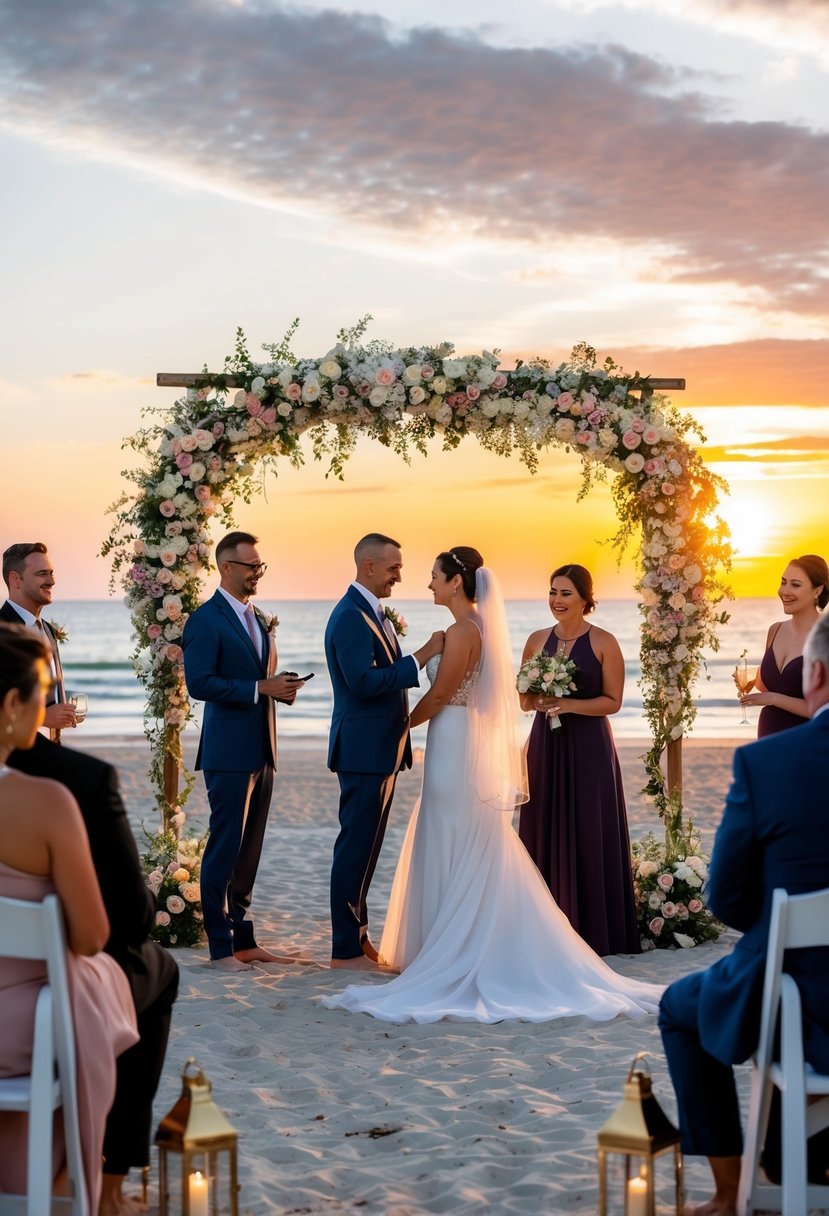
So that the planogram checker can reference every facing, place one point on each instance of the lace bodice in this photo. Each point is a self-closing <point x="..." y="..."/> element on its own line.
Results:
<point x="463" y="693"/>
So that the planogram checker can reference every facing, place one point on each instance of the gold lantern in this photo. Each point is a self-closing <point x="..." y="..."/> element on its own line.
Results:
<point x="639" y="1128"/>
<point x="199" y="1133"/>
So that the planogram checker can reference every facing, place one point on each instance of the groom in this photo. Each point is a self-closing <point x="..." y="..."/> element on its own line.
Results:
<point x="369" y="739"/>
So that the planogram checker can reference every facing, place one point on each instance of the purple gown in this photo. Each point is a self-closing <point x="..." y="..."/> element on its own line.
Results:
<point x="789" y="682"/>
<point x="575" y="825"/>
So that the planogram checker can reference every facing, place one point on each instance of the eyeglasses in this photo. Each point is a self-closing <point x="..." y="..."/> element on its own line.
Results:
<point x="259" y="567"/>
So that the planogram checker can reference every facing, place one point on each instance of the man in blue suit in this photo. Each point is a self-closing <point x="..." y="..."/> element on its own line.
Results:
<point x="773" y="834"/>
<point x="369" y="739"/>
<point x="229" y="661"/>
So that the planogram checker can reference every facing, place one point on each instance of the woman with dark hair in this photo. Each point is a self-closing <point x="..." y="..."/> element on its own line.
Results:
<point x="804" y="593"/>
<point x="44" y="849"/>
<point x="471" y="924"/>
<point x="574" y="824"/>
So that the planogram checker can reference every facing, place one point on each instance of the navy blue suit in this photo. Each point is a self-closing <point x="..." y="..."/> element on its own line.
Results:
<point x="237" y="752"/>
<point x="368" y="745"/>
<point x="773" y="834"/>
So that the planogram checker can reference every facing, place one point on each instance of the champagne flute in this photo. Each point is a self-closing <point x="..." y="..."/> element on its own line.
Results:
<point x="745" y="682"/>
<point x="80" y="704"/>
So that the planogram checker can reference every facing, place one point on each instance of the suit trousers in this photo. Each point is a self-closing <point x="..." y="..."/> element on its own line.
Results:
<point x="239" y="804"/>
<point x="365" y="802"/>
<point x="706" y="1094"/>
<point x="153" y="976"/>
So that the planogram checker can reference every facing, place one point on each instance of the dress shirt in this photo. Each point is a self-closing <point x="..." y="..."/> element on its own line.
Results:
<point x="377" y="609"/>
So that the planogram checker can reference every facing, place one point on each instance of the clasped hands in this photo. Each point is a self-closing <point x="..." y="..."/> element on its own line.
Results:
<point x="547" y="705"/>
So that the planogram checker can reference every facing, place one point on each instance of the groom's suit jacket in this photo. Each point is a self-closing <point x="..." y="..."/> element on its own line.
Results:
<point x="774" y="833"/>
<point x="58" y="692"/>
<point x="222" y="668"/>
<point x="369" y="725"/>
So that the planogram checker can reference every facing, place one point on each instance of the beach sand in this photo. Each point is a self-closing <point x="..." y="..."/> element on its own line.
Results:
<point x="339" y="1113"/>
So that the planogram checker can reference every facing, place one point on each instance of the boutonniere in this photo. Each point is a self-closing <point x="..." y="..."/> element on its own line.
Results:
<point x="270" y="622"/>
<point x="401" y="628"/>
<point x="59" y="631"/>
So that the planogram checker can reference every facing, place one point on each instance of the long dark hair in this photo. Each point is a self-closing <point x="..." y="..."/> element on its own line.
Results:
<point x="464" y="561"/>
<point x="20" y="650"/>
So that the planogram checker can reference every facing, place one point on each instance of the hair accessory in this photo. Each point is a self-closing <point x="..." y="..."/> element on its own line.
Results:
<point x="455" y="558"/>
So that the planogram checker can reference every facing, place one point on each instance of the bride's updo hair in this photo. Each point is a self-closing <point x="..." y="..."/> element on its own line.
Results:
<point x="463" y="561"/>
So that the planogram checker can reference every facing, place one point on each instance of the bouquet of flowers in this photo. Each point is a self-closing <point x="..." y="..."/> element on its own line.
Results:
<point x="551" y="675"/>
<point x="670" y="909"/>
<point x="172" y="868"/>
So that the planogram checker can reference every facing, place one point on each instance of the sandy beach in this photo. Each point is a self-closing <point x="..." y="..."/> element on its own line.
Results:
<point x="339" y="1113"/>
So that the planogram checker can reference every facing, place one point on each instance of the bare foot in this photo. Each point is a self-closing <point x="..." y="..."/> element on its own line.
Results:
<point x="256" y="954"/>
<point x="369" y="950"/>
<point x="361" y="963"/>
<point x="113" y="1200"/>
<point x="713" y="1207"/>
<point x="230" y="964"/>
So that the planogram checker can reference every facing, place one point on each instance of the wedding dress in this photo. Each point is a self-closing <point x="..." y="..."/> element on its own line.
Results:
<point x="471" y="923"/>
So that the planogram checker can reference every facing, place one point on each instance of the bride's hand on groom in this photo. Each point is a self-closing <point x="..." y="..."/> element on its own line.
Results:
<point x="432" y="647"/>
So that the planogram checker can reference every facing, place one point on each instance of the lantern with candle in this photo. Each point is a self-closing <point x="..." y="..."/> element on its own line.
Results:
<point x="639" y="1130"/>
<point x="197" y="1131"/>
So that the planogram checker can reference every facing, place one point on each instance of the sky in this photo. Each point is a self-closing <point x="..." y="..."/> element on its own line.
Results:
<point x="649" y="176"/>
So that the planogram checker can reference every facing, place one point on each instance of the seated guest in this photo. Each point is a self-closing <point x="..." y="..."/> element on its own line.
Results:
<point x="44" y="849"/>
<point x="773" y="834"/>
<point x="151" y="970"/>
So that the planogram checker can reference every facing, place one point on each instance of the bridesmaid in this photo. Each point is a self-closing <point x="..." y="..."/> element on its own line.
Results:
<point x="803" y="592"/>
<point x="574" y="825"/>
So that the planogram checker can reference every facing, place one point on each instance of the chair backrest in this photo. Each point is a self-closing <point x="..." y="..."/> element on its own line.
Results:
<point x="797" y="922"/>
<point x="31" y="930"/>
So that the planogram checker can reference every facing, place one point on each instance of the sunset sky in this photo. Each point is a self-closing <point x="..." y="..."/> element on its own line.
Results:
<point x="650" y="176"/>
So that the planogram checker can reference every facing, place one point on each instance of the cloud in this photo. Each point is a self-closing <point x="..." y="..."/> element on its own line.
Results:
<point x="98" y="381"/>
<point x="428" y="131"/>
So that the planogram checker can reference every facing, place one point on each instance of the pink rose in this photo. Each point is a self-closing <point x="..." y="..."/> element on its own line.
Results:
<point x="167" y="508"/>
<point x="184" y="461"/>
<point x="631" y="440"/>
<point x="294" y="392"/>
<point x="253" y="405"/>
<point x="472" y="392"/>
<point x="426" y="371"/>
<point x="175" y="446"/>
<point x="694" y="906"/>
<point x="174" y="653"/>
<point x="676" y="561"/>
<point x="668" y="909"/>
<point x="340" y="391"/>
<point x="666" y="881"/>
<point x="565" y="400"/>
<point x="384" y="375"/>
<point x="650" y="435"/>
<point x="153" y="632"/>
<point x="637" y="425"/>
<point x="218" y="429"/>
<point x="268" y="416"/>
<point x="202" y="493"/>
<point x="697" y="593"/>
<point x="650" y="467"/>
<point x="162" y="919"/>
<point x="656" y="926"/>
<point x="668" y="488"/>
<point x="585" y="438"/>
<point x="595" y="417"/>
<point x="500" y="381"/>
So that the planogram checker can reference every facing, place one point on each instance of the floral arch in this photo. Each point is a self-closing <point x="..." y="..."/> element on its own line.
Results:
<point x="203" y="455"/>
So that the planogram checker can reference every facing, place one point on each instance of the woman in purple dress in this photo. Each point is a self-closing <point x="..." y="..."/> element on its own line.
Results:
<point x="574" y="825"/>
<point x="803" y="592"/>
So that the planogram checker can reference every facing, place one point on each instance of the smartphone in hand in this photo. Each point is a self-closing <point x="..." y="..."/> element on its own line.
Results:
<point x="302" y="679"/>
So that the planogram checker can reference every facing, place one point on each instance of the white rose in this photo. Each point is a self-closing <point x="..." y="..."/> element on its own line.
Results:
<point x="439" y="385"/>
<point x="417" y="394"/>
<point x="521" y="410"/>
<point x="331" y="369"/>
<point x="285" y="377"/>
<point x="284" y="409"/>
<point x="564" y="430"/>
<point x="378" y="395"/>
<point x="635" y="462"/>
<point x="411" y="373"/>
<point x="455" y="369"/>
<point x="490" y="408"/>
<point x="485" y="375"/>
<point x="196" y="471"/>
<point x="310" y="390"/>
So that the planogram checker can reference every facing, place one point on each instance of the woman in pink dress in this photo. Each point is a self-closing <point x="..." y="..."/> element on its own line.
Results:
<point x="804" y="593"/>
<point x="44" y="849"/>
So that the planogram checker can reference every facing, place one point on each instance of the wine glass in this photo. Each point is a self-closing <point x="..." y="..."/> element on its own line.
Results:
<point x="746" y="679"/>
<point x="80" y="704"/>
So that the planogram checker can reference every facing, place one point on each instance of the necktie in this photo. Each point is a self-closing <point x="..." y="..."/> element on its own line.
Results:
<point x="251" y="624"/>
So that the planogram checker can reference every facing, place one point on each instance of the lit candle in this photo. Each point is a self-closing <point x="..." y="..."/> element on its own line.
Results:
<point x="637" y="1204"/>
<point x="197" y="1193"/>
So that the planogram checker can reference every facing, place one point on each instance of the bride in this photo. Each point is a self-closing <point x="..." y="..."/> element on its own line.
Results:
<point x="471" y="924"/>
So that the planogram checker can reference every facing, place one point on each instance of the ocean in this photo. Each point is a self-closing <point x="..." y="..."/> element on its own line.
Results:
<point x="96" y="661"/>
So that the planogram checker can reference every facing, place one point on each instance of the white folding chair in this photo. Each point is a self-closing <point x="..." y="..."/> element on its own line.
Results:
<point x="797" y="921"/>
<point x="35" y="931"/>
